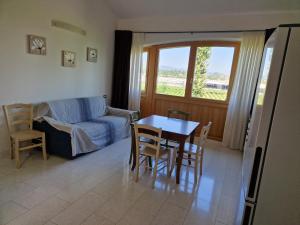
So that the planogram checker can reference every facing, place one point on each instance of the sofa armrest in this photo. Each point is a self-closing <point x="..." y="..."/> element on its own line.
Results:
<point x="122" y="112"/>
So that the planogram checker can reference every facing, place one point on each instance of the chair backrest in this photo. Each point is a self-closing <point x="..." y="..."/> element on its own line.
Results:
<point x="18" y="116"/>
<point x="203" y="135"/>
<point x="135" y="116"/>
<point x="147" y="136"/>
<point x="177" y="113"/>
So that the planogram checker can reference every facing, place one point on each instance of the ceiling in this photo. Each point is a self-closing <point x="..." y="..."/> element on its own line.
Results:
<point x="150" y="8"/>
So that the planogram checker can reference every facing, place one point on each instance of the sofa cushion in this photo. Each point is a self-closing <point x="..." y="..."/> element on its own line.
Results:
<point x="115" y="125"/>
<point x="117" y="122"/>
<point x="104" y="130"/>
<point x="77" y="110"/>
<point x="94" y="130"/>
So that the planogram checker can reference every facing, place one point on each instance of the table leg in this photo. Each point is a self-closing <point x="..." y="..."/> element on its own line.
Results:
<point x="179" y="160"/>
<point x="192" y="137"/>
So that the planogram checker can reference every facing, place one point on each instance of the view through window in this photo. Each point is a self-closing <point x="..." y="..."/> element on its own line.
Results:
<point x="211" y="75"/>
<point x="212" y="72"/>
<point x="264" y="77"/>
<point x="172" y="71"/>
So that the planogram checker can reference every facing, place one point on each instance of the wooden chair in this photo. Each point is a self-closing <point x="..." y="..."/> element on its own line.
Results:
<point x="150" y="149"/>
<point x="22" y="137"/>
<point x="133" y="118"/>
<point x="177" y="113"/>
<point x="174" y="113"/>
<point x="195" y="152"/>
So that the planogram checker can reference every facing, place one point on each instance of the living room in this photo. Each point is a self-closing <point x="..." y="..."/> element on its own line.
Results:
<point x="124" y="66"/>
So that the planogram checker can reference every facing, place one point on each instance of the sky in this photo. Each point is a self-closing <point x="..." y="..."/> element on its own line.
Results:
<point x="220" y="59"/>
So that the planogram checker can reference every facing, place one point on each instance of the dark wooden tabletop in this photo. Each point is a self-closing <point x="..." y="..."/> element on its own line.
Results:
<point x="171" y="125"/>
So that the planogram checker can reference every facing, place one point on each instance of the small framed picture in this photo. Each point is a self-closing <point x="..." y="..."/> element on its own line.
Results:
<point x="68" y="58"/>
<point x="92" y="54"/>
<point x="36" y="45"/>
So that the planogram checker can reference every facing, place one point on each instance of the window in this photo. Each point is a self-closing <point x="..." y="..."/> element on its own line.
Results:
<point x="264" y="77"/>
<point x="199" y="70"/>
<point x="144" y="71"/>
<point x="172" y="71"/>
<point x="212" y="72"/>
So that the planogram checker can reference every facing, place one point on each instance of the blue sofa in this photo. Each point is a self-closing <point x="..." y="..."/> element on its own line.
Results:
<point x="81" y="125"/>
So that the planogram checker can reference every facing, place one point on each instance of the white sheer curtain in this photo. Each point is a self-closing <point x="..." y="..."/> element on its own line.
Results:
<point x="134" y="97"/>
<point x="251" y="51"/>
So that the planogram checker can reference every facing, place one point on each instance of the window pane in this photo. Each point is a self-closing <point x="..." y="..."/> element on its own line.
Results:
<point x="144" y="71"/>
<point x="212" y="72"/>
<point x="265" y="74"/>
<point x="172" y="71"/>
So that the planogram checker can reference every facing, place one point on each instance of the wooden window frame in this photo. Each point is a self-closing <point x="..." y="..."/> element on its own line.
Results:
<point x="191" y="66"/>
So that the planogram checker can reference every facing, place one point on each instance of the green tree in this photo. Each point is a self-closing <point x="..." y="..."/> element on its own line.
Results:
<point x="202" y="56"/>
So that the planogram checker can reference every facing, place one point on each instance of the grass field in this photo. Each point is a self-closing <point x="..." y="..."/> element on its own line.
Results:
<point x="209" y="93"/>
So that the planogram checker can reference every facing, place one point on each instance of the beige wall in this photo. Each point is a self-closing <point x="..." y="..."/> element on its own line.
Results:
<point x="259" y="20"/>
<point x="32" y="78"/>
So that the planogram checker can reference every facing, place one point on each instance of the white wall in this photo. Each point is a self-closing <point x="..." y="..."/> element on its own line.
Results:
<point x="259" y="20"/>
<point x="31" y="78"/>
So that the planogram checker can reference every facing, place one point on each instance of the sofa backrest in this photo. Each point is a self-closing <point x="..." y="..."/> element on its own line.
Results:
<point x="77" y="109"/>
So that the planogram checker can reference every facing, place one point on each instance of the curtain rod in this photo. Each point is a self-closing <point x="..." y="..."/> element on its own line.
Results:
<point x="195" y="32"/>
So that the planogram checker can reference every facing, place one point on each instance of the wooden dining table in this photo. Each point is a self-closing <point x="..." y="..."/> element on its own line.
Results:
<point x="172" y="129"/>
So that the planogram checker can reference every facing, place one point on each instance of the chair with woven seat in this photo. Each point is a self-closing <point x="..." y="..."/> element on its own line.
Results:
<point x="178" y="114"/>
<point x="174" y="113"/>
<point x="134" y="117"/>
<point x="195" y="152"/>
<point x="150" y="148"/>
<point x="19" y="118"/>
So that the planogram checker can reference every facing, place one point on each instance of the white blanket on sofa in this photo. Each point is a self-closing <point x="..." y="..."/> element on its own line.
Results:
<point x="91" y="124"/>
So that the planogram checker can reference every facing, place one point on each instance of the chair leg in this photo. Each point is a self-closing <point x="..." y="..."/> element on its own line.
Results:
<point x="12" y="153"/>
<point x="44" y="147"/>
<point x="17" y="154"/>
<point x="196" y="169"/>
<point x="189" y="159"/>
<point x="155" y="172"/>
<point x="130" y="157"/>
<point x="173" y="161"/>
<point x="150" y="161"/>
<point x="168" y="163"/>
<point x="201" y="161"/>
<point x="137" y="168"/>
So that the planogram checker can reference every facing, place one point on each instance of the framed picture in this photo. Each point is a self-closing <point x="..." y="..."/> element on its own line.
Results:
<point x="36" y="45"/>
<point x="92" y="54"/>
<point x="68" y="58"/>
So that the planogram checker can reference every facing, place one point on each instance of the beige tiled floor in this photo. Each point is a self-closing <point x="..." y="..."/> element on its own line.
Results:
<point x="98" y="189"/>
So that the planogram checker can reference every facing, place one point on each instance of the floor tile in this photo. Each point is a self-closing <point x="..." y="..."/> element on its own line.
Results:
<point x="95" y="220"/>
<point x="9" y="211"/>
<point x="41" y="213"/>
<point x="151" y="201"/>
<point x="136" y="217"/>
<point x="77" y="212"/>
<point x="50" y="223"/>
<point x="170" y="214"/>
<point x="37" y="196"/>
<point x="227" y="209"/>
<point x="15" y="191"/>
